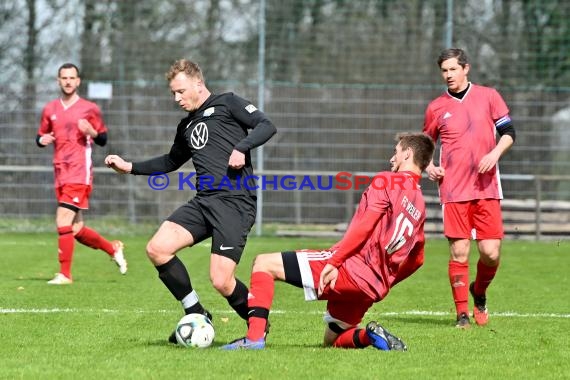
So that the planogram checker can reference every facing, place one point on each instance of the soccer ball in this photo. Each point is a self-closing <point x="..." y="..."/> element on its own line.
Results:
<point x="195" y="330"/>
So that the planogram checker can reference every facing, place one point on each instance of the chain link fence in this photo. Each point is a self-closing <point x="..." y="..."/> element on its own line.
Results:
<point x="338" y="78"/>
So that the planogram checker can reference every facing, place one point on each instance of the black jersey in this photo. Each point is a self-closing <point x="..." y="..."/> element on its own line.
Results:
<point x="208" y="136"/>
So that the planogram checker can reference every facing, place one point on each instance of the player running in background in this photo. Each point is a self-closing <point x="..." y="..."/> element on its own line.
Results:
<point x="383" y="245"/>
<point x="466" y="118"/>
<point x="215" y="136"/>
<point x="72" y="124"/>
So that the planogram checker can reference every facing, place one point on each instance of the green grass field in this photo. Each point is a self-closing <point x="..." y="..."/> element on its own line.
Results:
<point x="110" y="326"/>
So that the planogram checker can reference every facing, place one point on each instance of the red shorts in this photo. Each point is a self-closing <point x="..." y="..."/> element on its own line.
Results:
<point x="74" y="194"/>
<point x="346" y="303"/>
<point x="479" y="219"/>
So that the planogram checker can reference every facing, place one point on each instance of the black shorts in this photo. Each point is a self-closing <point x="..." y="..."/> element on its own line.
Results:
<point x="226" y="219"/>
<point x="291" y="268"/>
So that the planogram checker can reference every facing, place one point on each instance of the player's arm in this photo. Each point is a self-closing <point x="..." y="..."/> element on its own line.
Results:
<point x="435" y="173"/>
<point x="163" y="164"/>
<point x="166" y="163"/>
<point x="44" y="140"/>
<point x="506" y="131"/>
<point x="262" y="129"/>
<point x="94" y="126"/>
<point x="100" y="139"/>
<point x="249" y="116"/>
<point x="45" y="135"/>
<point x="411" y="264"/>
<point x="356" y="236"/>
<point x="430" y="127"/>
<point x="178" y="155"/>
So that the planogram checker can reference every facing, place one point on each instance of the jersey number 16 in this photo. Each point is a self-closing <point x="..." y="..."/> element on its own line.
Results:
<point x="403" y="227"/>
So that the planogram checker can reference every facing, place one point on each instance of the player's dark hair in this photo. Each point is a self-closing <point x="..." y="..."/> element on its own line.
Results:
<point x="421" y="144"/>
<point x="446" y="54"/>
<point x="191" y="69"/>
<point x="68" y="65"/>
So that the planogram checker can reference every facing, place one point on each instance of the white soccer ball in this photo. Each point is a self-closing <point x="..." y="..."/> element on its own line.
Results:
<point x="195" y="330"/>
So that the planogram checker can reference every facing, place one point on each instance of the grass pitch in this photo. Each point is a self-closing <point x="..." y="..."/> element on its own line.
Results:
<point x="110" y="326"/>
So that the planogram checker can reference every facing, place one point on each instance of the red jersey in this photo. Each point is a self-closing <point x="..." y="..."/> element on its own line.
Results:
<point x="467" y="130"/>
<point x="395" y="249"/>
<point x="72" y="149"/>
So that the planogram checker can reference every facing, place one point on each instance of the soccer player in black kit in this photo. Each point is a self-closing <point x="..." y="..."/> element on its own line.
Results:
<point x="215" y="136"/>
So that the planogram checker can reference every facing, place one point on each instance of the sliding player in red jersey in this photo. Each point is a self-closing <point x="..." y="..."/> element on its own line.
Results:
<point x="384" y="244"/>
<point x="467" y="118"/>
<point x="72" y="124"/>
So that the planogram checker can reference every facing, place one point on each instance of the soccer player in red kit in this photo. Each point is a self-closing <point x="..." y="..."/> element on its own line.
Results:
<point x="466" y="119"/>
<point x="383" y="245"/>
<point x="72" y="124"/>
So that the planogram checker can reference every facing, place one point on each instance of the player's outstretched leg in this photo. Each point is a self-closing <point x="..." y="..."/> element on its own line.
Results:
<point x="119" y="256"/>
<point x="245" y="344"/>
<point x="382" y="339"/>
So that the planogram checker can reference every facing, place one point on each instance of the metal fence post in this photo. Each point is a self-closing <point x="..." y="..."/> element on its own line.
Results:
<point x="261" y="106"/>
<point x="538" y="195"/>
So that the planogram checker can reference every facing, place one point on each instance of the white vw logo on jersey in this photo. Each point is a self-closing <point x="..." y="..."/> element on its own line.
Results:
<point x="199" y="136"/>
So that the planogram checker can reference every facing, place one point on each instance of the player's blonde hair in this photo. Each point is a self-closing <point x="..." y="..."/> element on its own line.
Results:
<point x="191" y="69"/>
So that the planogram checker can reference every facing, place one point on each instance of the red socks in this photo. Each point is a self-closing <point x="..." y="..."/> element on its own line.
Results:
<point x="485" y="275"/>
<point x="65" y="244"/>
<point x="92" y="239"/>
<point x="260" y="297"/>
<point x="86" y="236"/>
<point x="459" y="280"/>
<point x="352" y="338"/>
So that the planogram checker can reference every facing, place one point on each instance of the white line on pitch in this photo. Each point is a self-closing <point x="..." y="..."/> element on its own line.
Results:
<point x="507" y="314"/>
